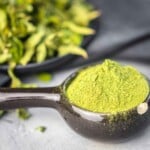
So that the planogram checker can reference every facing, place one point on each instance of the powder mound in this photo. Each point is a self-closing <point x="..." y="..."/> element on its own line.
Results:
<point x="108" y="87"/>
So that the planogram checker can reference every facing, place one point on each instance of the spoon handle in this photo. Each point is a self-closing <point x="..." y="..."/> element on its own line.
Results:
<point x="12" y="98"/>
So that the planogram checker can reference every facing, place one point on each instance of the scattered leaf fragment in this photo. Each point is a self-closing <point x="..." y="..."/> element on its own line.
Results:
<point x="23" y="114"/>
<point x="2" y="113"/>
<point x="41" y="129"/>
<point x="45" y="77"/>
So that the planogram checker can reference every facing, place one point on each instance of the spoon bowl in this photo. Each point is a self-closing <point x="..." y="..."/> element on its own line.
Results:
<point x="104" y="126"/>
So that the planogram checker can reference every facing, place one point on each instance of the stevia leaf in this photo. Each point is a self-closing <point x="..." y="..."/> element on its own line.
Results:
<point x="40" y="129"/>
<point x="16" y="49"/>
<point x="63" y="50"/>
<point x="2" y="113"/>
<point x="67" y="36"/>
<point x="30" y="45"/>
<point x="3" y="20"/>
<point x="78" y="29"/>
<point x="15" y="82"/>
<point x="93" y="14"/>
<point x="23" y="114"/>
<point x="41" y="53"/>
<point x="4" y="58"/>
<point x="44" y="76"/>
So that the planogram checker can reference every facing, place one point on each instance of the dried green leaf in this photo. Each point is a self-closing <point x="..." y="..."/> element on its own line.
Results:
<point x="41" y="53"/>
<point x="23" y="114"/>
<point x="44" y="76"/>
<point x="80" y="12"/>
<point x="4" y="58"/>
<point x="3" y="20"/>
<point x="15" y="82"/>
<point x="30" y="45"/>
<point x="16" y="49"/>
<point x="2" y="113"/>
<point x="93" y="14"/>
<point x="41" y="129"/>
<point x="71" y="49"/>
<point x="78" y="29"/>
<point x="69" y="37"/>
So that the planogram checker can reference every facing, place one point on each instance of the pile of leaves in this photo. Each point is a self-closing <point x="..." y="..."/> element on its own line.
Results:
<point x="36" y="30"/>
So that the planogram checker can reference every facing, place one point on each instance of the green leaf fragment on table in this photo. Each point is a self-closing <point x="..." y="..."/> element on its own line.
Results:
<point x="2" y="113"/>
<point x="28" y="85"/>
<point x="45" y="77"/>
<point x="41" y="129"/>
<point x="23" y="114"/>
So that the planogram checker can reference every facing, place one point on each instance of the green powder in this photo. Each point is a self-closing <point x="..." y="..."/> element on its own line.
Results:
<point x="108" y="87"/>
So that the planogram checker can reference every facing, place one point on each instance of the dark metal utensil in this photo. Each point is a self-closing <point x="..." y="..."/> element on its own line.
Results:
<point x="95" y="125"/>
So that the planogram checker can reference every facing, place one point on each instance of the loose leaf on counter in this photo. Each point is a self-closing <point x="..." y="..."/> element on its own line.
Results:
<point x="23" y="114"/>
<point x="45" y="77"/>
<point x="2" y="113"/>
<point x="41" y="129"/>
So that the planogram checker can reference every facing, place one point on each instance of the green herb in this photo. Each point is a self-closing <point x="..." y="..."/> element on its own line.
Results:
<point x="41" y="129"/>
<point x="36" y="30"/>
<point x="23" y="114"/>
<point x="45" y="77"/>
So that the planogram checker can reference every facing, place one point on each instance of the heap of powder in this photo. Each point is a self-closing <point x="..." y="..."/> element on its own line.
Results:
<point x="108" y="88"/>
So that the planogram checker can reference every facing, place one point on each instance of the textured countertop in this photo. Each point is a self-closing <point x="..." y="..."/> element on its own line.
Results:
<point x="21" y="135"/>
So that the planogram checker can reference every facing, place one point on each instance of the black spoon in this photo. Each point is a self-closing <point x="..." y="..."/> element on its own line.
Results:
<point x="96" y="125"/>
